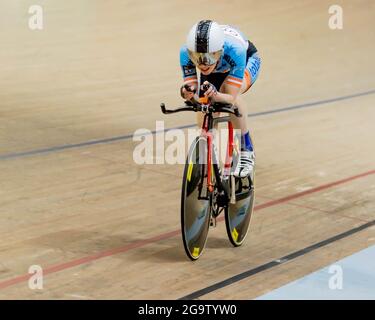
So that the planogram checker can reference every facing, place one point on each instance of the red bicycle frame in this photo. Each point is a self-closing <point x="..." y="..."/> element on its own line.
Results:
<point x="228" y="159"/>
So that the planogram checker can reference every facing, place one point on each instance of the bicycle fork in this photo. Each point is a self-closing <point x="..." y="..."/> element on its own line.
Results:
<point x="223" y="192"/>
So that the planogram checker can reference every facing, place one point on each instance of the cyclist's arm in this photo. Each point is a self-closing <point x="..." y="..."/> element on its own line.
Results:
<point x="233" y="82"/>
<point x="230" y="89"/>
<point x="189" y="72"/>
<point x="228" y="96"/>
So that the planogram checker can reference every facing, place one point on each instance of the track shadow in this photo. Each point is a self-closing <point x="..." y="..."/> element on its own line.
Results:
<point x="86" y="243"/>
<point x="175" y="253"/>
<point x="218" y="243"/>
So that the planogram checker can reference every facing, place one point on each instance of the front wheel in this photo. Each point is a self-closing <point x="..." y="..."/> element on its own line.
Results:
<point x="195" y="202"/>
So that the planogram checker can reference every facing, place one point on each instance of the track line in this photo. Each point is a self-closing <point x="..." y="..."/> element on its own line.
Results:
<point x="313" y="190"/>
<point x="142" y="243"/>
<point x="15" y="155"/>
<point x="277" y="262"/>
<point x="87" y="259"/>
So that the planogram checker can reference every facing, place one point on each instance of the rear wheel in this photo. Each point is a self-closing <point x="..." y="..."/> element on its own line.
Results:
<point x="195" y="212"/>
<point x="238" y="214"/>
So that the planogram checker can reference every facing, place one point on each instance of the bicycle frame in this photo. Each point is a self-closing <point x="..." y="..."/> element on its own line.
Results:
<point x="208" y="124"/>
<point x="204" y="106"/>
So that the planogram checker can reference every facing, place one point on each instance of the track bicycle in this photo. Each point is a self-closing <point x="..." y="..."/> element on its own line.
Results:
<point x="208" y="189"/>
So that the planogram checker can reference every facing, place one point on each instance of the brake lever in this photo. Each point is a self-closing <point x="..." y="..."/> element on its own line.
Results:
<point x="162" y="107"/>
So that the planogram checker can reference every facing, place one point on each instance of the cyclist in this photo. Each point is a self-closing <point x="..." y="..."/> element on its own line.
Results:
<point x="229" y="65"/>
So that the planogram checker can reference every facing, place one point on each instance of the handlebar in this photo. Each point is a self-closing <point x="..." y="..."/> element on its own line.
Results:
<point x="206" y="108"/>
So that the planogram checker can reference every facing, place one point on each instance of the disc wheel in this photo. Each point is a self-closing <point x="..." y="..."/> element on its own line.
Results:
<point x="238" y="214"/>
<point x="195" y="213"/>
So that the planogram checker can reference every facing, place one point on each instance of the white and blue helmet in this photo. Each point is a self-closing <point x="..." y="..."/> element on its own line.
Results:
<point x="205" y="42"/>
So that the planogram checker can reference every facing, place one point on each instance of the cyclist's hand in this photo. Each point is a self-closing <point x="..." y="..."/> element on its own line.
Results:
<point x="187" y="92"/>
<point x="210" y="90"/>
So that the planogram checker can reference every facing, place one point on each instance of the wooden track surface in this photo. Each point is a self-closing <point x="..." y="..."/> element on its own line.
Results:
<point x="103" y="227"/>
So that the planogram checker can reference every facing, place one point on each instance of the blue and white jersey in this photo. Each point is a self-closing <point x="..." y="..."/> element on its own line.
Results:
<point x="233" y="60"/>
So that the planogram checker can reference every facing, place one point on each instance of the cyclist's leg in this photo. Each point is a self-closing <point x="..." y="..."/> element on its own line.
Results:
<point x="247" y="158"/>
<point x="251" y="75"/>
<point x="251" y="72"/>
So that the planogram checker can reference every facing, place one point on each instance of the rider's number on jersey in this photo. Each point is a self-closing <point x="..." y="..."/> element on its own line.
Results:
<point x="234" y="33"/>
